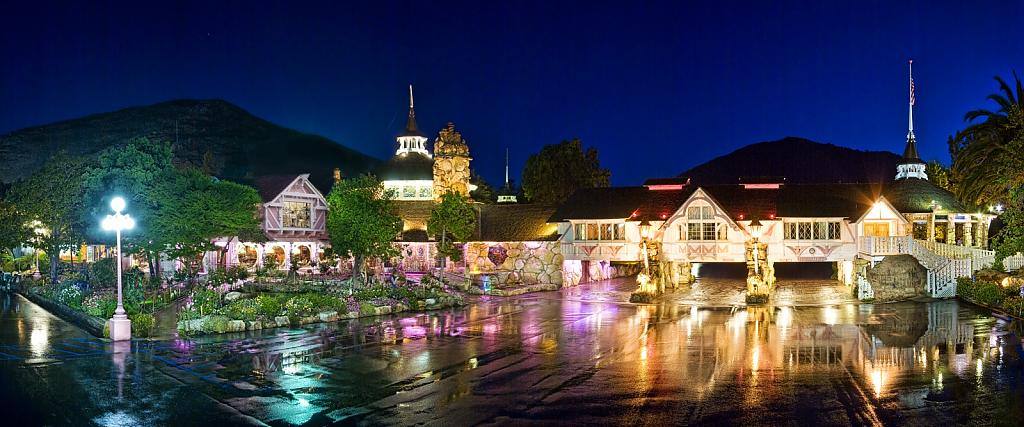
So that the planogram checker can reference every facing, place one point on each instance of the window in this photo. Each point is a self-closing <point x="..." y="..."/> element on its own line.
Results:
<point x="594" y="231"/>
<point x="702" y="225"/>
<point x="426" y="192"/>
<point x="811" y="230"/>
<point x="295" y="215"/>
<point x="408" y="191"/>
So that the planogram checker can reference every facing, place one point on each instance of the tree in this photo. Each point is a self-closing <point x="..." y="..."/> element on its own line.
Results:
<point x="131" y="171"/>
<point x="362" y="220"/>
<point x="54" y="196"/>
<point x="13" y="229"/>
<point x="484" y="193"/>
<point x="558" y="170"/>
<point x="452" y="220"/>
<point x="1010" y="239"/>
<point x="938" y="175"/>
<point x="988" y="156"/>
<point x="195" y="208"/>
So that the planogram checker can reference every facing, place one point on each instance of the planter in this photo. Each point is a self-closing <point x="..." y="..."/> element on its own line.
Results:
<point x="92" y="325"/>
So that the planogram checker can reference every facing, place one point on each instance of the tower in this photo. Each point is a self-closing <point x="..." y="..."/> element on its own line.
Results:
<point x="911" y="166"/>
<point x="411" y="140"/>
<point x="451" y="163"/>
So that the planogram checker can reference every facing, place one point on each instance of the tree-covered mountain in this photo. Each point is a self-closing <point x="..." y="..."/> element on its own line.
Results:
<point x="799" y="161"/>
<point x="216" y="135"/>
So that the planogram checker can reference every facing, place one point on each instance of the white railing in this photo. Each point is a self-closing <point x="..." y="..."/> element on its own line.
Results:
<point x="594" y="250"/>
<point x="885" y="245"/>
<point x="1014" y="262"/>
<point x="942" y="280"/>
<point x="980" y="258"/>
<point x="864" y="290"/>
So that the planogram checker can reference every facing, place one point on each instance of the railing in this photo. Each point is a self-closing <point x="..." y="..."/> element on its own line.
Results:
<point x="603" y="250"/>
<point x="885" y="245"/>
<point x="1014" y="262"/>
<point x="980" y="258"/>
<point x="864" y="290"/>
<point x="942" y="280"/>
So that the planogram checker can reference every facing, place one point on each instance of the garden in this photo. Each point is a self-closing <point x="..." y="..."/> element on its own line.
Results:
<point x="270" y="301"/>
<point x="91" y="290"/>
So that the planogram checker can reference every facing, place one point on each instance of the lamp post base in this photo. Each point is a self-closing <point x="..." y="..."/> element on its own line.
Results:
<point x="120" y="328"/>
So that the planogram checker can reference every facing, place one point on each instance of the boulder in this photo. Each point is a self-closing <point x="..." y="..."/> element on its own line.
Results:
<point x="233" y="296"/>
<point x="282" y="321"/>
<point x="236" y="326"/>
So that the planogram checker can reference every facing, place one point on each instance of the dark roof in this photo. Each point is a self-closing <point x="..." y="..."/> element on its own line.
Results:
<point x="910" y="152"/>
<point x="762" y="179"/>
<point x="270" y="186"/>
<point x="415" y="235"/>
<point x="915" y="195"/>
<point x="506" y="190"/>
<point x="515" y="223"/>
<point x="601" y="203"/>
<point x="679" y="180"/>
<point x="661" y="204"/>
<point x="417" y="211"/>
<point x="410" y="125"/>
<point x="407" y="167"/>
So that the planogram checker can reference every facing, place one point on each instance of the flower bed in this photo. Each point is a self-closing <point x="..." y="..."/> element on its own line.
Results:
<point x="209" y="311"/>
<point x="991" y="295"/>
<point x="87" y="298"/>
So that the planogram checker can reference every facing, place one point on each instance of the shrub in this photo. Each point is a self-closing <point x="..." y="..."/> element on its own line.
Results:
<point x="142" y="324"/>
<point x="237" y="273"/>
<point x="101" y="306"/>
<point x="1014" y="305"/>
<point x="70" y="296"/>
<point x="268" y="306"/>
<point x="217" y="324"/>
<point x="205" y="301"/>
<point x="103" y="273"/>
<point x="367" y="309"/>
<point x="240" y="310"/>
<point x="642" y="297"/>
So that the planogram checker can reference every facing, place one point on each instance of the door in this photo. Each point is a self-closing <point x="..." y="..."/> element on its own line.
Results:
<point x="876" y="229"/>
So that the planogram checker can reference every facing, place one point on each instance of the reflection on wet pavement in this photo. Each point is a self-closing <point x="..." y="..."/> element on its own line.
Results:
<point x="546" y="358"/>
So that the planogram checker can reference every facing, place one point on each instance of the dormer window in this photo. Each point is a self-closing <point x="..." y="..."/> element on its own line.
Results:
<point x="295" y="215"/>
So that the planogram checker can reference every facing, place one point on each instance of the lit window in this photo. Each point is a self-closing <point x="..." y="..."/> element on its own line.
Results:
<point x="805" y="231"/>
<point x="408" y="191"/>
<point x="425" y="192"/>
<point x="295" y="215"/>
<point x="833" y="231"/>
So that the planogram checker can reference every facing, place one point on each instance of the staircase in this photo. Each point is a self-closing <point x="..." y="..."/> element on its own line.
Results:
<point x="944" y="262"/>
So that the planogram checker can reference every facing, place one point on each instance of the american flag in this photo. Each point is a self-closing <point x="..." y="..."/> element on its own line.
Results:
<point x="911" y="90"/>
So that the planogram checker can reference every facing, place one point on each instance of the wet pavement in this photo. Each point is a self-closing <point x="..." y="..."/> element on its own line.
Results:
<point x="576" y="356"/>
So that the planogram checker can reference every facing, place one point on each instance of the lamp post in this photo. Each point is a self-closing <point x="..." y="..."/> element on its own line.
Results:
<point x="120" y="326"/>
<point x="39" y="232"/>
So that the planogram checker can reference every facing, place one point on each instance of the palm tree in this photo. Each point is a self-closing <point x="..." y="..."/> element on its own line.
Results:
<point x="988" y="156"/>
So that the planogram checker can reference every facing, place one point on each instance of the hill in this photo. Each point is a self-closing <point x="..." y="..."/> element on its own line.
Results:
<point x="230" y="141"/>
<point x="800" y="160"/>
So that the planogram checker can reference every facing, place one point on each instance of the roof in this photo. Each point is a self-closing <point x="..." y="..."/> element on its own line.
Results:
<point x="678" y="180"/>
<point x="601" y="203"/>
<point x="414" y="211"/>
<point x="915" y="195"/>
<point x="910" y="152"/>
<point x="407" y="167"/>
<point x="410" y="125"/>
<point x="270" y="186"/>
<point x="415" y="235"/>
<point x="515" y="223"/>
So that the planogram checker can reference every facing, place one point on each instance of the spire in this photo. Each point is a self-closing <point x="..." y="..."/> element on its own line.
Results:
<point x="911" y="166"/>
<point x="909" y="132"/>
<point x="411" y="129"/>
<point x="506" y="166"/>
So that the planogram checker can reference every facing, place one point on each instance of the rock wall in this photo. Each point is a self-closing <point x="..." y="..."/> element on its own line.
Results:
<point x="512" y="263"/>
<point x="572" y="271"/>
<point x="897" y="278"/>
<point x="451" y="163"/>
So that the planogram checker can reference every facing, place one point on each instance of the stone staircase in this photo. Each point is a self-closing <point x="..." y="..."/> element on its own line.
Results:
<point x="944" y="262"/>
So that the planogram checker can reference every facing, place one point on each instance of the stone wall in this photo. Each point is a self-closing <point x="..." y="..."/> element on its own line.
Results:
<point x="572" y="271"/>
<point x="451" y="163"/>
<point x="897" y="278"/>
<point x="512" y="263"/>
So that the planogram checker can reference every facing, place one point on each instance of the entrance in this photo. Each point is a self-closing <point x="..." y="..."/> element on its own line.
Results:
<point x="876" y="229"/>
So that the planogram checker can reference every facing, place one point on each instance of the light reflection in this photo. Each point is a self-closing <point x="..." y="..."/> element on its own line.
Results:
<point x="830" y="315"/>
<point x="40" y="336"/>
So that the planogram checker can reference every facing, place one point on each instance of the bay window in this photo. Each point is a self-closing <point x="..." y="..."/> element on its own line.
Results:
<point x="811" y="230"/>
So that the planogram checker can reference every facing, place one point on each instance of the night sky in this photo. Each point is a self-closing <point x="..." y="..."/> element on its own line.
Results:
<point x="656" y="88"/>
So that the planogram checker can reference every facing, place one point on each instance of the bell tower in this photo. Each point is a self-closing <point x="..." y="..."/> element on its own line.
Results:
<point x="451" y="163"/>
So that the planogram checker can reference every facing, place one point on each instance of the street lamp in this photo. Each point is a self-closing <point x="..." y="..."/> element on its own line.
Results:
<point x="39" y="232"/>
<point x="755" y="229"/>
<point x="120" y="326"/>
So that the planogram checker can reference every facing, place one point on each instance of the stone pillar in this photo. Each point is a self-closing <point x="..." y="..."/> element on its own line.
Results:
<point x="259" y="255"/>
<point x="931" y="228"/>
<point x="314" y="253"/>
<point x="760" y="273"/>
<point x="968" y="236"/>
<point x="288" y="256"/>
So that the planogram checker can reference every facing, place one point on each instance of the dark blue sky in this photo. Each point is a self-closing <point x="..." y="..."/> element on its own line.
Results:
<point x="657" y="88"/>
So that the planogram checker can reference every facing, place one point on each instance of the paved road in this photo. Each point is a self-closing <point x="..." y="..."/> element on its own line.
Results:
<point x="548" y="358"/>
